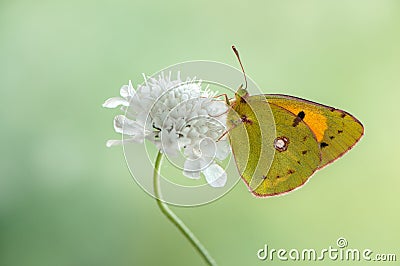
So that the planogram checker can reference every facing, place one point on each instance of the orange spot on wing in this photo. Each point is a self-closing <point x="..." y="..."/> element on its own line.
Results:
<point x="318" y="125"/>
<point x="315" y="120"/>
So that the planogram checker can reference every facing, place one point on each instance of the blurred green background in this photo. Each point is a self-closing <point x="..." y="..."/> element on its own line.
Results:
<point x="65" y="199"/>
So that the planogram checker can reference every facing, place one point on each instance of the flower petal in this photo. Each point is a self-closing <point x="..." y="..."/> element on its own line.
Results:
<point x="127" y="90"/>
<point x="207" y="148"/>
<point x="113" y="142"/>
<point x="126" y="126"/>
<point x="215" y="175"/>
<point x="192" y="168"/>
<point x="169" y="142"/>
<point x="114" y="102"/>
<point x="223" y="149"/>
<point x="194" y="165"/>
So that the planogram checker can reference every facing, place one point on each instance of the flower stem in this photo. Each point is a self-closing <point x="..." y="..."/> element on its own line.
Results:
<point x="174" y="219"/>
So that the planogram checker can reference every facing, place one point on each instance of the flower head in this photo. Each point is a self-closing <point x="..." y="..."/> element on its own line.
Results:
<point x="176" y="116"/>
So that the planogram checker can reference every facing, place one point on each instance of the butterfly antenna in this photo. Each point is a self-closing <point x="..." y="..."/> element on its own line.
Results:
<point x="241" y="65"/>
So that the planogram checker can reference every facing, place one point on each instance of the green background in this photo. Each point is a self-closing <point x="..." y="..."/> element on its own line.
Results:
<point x="65" y="199"/>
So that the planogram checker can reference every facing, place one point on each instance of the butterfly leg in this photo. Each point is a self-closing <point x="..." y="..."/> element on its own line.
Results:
<point x="226" y="132"/>
<point x="234" y="125"/>
<point x="225" y="96"/>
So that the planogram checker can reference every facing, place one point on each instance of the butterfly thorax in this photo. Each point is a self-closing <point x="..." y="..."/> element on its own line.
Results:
<point x="242" y="111"/>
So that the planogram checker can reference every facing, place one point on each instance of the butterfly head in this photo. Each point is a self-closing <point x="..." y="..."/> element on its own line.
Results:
<point x="241" y="94"/>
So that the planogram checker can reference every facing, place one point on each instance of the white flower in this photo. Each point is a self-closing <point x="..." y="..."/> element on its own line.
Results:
<point x="176" y="116"/>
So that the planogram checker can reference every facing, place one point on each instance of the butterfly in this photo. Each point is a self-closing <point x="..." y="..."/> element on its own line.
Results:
<point x="279" y="141"/>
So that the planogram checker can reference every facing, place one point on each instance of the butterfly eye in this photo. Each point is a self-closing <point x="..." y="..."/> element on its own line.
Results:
<point x="281" y="144"/>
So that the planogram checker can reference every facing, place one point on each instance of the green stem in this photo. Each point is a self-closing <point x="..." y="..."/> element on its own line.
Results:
<point x="174" y="219"/>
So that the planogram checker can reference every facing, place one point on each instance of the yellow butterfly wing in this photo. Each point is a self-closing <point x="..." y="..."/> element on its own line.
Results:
<point x="335" y="130"/>
<point x="272" y="156"/>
